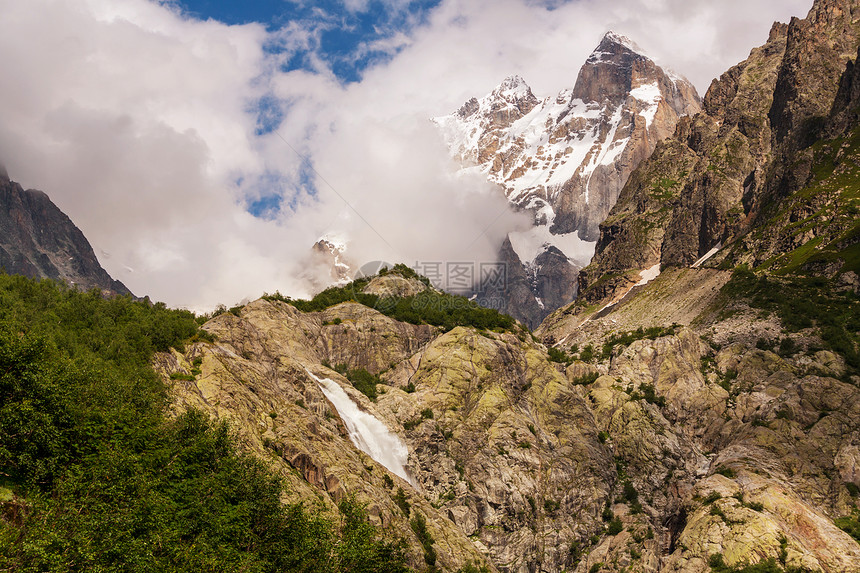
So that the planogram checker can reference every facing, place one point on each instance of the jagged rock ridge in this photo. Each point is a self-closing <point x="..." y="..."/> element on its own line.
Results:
<point x="566" y="158"/>
<point x="731" y="178"/>
<point x="38" y="240"/>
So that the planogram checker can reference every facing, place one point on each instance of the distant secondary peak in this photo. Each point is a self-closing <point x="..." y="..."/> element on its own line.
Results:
<point x="513" y="82"/>
<point x="514" y="87"/>
<point x="335" y="239"/>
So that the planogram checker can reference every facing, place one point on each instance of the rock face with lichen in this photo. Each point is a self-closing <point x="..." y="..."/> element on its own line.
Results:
<point x="499" y="472"/>
<point x="662" y="451"/>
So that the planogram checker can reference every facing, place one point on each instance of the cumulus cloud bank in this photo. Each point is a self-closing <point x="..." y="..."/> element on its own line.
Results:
<point x="143" y="125"/>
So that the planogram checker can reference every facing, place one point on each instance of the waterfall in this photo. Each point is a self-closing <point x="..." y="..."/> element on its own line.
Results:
<point x="365" y="431"/>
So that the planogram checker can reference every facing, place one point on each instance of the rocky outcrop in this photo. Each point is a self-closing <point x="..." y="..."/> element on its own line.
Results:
<point x="751" y="175"/>
<point x="499" y="452"/>
<point x="258" y="377"/>
<point x="499" y="472"/>
<point x="38" y="240"/>
<point x="530" y="292"/>
<point x="654" y="456"/>
<point x="394" y="286"/>
<point x="734" y="444"/>
<point x="817" y="49"/>
<point x="565" y="159"/>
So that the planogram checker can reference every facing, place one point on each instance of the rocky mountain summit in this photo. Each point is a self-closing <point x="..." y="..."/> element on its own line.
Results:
<point x="565" y="158"/>
<point x="38" y="240"/>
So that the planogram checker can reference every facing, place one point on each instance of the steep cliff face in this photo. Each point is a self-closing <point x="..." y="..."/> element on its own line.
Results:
<point x="762" y="416"/>
<point x="565" y="159"/>
<point x="766" y="176"/>
<point x="38" y="240"/>
<point x="753" y="174"/>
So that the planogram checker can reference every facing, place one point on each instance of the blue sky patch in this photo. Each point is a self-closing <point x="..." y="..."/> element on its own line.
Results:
<point x="266" y="207"/>
<point x="270" y="114"/>
<point x="348" y="42"/>
<point x="344" y="39"/>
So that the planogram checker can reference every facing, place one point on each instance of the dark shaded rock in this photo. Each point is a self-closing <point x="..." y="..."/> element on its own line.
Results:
<point x="38" y="240"/>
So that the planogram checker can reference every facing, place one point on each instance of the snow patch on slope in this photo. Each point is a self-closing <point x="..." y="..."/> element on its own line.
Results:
<point x="648" y="275"/>
<point x="648" y="94"/>
<point x="461" y="136"/>
<point x="707" y="256"/>
<point x="606" y="152"/>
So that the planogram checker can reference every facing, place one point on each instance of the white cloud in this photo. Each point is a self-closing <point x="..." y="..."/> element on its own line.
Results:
<point x="134" y="120"/>
<point x="137" y="122"/>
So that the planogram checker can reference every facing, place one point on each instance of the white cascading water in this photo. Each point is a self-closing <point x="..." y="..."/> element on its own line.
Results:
<point x="365" y="431"/>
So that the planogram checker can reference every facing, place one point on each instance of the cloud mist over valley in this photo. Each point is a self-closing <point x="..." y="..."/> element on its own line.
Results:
<point x="203" y="162"/>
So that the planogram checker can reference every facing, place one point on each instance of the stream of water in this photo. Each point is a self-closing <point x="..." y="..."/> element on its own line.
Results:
<point x="368" y="434"/>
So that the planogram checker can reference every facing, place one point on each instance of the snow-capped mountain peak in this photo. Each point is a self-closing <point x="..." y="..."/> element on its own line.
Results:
<point x="621" y="40"/>
<point x="614" y="49"/>
<point x="565" y="158"/>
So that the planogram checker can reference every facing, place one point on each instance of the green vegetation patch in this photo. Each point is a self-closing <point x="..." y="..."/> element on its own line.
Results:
<point x="470" y="567"/>
<point x="771" y="565"/>
<point x="559" y="355"/>
<point x="361" y="380"/>
<point x="664" y="189"/>
<point x="628" y="338"/>
<point x="103" y="480"/>
<point x="804" y="303"/>
<point x="648" y="393"/>
<point x="441" y="309"/>
<point x="419" y="527"/>
<point x="850" y="525"/>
